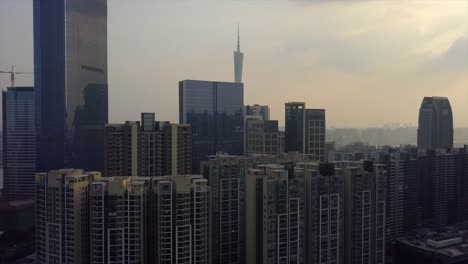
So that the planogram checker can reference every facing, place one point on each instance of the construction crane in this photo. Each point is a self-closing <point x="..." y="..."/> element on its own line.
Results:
<point x="13" y="73"/>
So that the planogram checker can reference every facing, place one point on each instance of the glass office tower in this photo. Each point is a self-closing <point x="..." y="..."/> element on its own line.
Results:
<point x="70" y="69"/>
<point x="19" y="149"/>
<point x="215" y="112"/>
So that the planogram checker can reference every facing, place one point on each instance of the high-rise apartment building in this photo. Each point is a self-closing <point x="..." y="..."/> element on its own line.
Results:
<point x="275" y="229"/>
<point x="258" y="110"/>
<point x="305" y="130"/>
<point x="401" y="168"/>
<point x="19" y="143"/>
<point x="324" y="203"/>
<point x="365" y="193"/>
<point x="83" y="218"/>
<point x="215" y="111"/>
<point x="226" y="176"/>
<point x="167" y="148"/>
<point x="62" y="216"/>
<point x="180" y="220"/>
<point x="118" y="220"/>
<point x="435" y="128"/>
<point x="262" y="137"/>
<point x="238" y="61"/>
<point x="123" y="149"/>
<point x="147" y="148"/>
<point x="70" y="80"/>
<point x="440" y="191"/>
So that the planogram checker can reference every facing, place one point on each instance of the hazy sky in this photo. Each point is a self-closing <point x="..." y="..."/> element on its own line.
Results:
<point x="367" y="63"/>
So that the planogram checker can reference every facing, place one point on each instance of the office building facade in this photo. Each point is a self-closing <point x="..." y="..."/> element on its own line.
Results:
<point x="226" y="176"/>
<point x="62" y="216"/>
<point x="295" y="127"/>
<point x="305" y="130"/>
<point x="214" y="110"/>
<point x="70" y="80"/>
<point x="262" y="137"/>
<point x="315" y="133"/>
<point x="19" y="143"/>
<point x="258" y="110"/>
<point x="435" y="128"/>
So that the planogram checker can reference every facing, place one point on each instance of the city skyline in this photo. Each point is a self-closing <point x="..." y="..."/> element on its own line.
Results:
<point x="424" y="54"/>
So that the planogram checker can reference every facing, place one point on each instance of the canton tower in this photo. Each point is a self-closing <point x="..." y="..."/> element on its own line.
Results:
<point x="238" y="61"/>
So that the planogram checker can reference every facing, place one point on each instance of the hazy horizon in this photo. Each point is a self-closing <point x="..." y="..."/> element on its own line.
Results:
<point x="367" y="63"/>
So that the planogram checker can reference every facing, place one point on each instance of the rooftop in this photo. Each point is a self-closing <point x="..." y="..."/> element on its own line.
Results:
<point x="452" y="241"/>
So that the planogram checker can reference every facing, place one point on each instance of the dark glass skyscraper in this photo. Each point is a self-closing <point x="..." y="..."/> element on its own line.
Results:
<point x="295" y="129"/>
<point x="215" y="112"/>
<point x="19" y="150"/>
<point x="70" y="69"/>
<point x="435" y="128"/>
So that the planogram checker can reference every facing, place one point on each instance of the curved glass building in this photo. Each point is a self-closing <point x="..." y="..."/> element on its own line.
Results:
<point x="435" y="128"/>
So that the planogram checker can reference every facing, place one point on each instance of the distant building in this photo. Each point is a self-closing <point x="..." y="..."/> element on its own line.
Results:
<point x="70" y="80"/>
<point x="262" y="137"/>
<point x="147" y="148"/>
<point x="295" y="127"/>
<point x="275" y="228"/>
<point x="19" y="143"/>
<point x="435" y="128"/>
<point x="330" y="151"/>
<point x="226" y="176"/>
<point x="305" y="130"/>
<point x="315" y="133"/>
<point x="238" y="61"/>
<point x="426" y="246"/>
<point x="258" y="110"/>
<point x="62" y="216"/>
<point x="215" y="112"/>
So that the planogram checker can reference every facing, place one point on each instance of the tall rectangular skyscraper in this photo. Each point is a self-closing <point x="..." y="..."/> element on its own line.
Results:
<point x="305" y="130"/>
<point x="294" y="126"/>
<point x="315" y="133"/>
<point x="215" y="112"/>
<point x="435" y="128"/>
<point x="19" y="148"/>
<point x="70" y="69"/>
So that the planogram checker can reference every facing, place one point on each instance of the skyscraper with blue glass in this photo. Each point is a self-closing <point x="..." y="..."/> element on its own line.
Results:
<point x="70" y="69"/>
<point x="215" y="112"/>
<point x="19" y="150"/>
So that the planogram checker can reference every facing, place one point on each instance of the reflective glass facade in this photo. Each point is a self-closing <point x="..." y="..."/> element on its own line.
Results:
<point x="70" y="64"/>
<point x="215" y="112"/>
<point x="19" y="150"/>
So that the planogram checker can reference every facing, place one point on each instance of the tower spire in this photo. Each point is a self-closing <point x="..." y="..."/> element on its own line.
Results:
<point x="238" y="39"/>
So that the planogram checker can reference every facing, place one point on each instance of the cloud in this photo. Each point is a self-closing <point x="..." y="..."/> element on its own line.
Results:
<point x="454" y="59"/>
